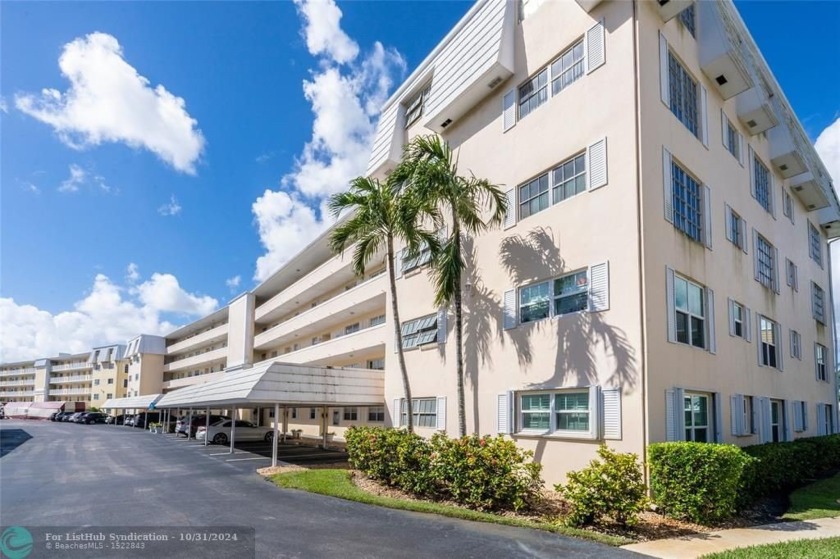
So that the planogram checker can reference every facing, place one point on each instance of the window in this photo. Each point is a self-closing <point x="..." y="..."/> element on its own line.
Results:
<point x="736" y="228"/>
<point x="352" y="328"/>
<point x="567" y="68"/>
<point x="761" y="188"/>
<point x="125" y="383"/>
<point x="818" y="303"/>
<point x="534" y="302"/>
<point x="732" y="141"/>
<point x="96" y="396"/>
<point x="376" y="415"/>
<point x="571" y="293"/>
<point x="351" y="414"/>
<point x="777" y="419"/>
<point x="765" y="262"/>
<point x="569" y="178"/>
<point x="795" y="344"/>
<point x="294" y="413"/>
<point x="377" y="364"/>
<point x="697" y="414"/>
<point x="825" y="419"/>
<point x="424" y="412"/>
<point x="533" y="93"/>
<point x="109" y="396"/>
<point x="767" y="330"/>
<point x="820" y="354"/>
<point x="687" y="18"/>
<point x="738" y="319"/>
<point x="552" y="412"/>
<point x="814" y="247"/>
<point x="419" y="331"/>
<point x="414" y="109"/>
<point x="746" y="412"/>
<point x="792" y="274"/>
<point x="312" y="412"/>
<point x="533" y="196"/>
<point x="800" y="416"/>
<point x="377" y="320"/>
<point x="424" y="254"/>
<point x="110" y="381"/>
<point x="690" y="312"/>
<point x="687" y="203"/>
<point x="96" y="381"/>
<point x="787" y="205"/>
<point x="683" y="93"/>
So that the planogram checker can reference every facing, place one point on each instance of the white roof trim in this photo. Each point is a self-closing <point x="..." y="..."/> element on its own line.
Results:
<point x="134" y="402"/>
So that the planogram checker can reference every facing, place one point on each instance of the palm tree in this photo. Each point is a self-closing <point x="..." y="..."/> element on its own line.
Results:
<point x="381" y="215"/>
<point x="430" y="171"/>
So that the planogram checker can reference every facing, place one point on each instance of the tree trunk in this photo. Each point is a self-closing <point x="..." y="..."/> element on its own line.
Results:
<point x="459" y="332"/>
<point x="392" y="280"/>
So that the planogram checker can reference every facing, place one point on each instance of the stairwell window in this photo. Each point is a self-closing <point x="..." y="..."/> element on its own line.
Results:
<point x="688" y="214"/>
<point x="683" y="95"/>
<point x="820" y="355"/>
<point x="568" y="68"/>
<point x="761" y="189"/>
<point x="689" y="306"/>
<point x="768" y="340"/>
<point x="533" y="93"/>
<point x="814" y="247"/>
<point x="818" y="303"/>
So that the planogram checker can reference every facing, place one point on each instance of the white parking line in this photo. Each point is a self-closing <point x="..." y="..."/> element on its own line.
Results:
<point x="243" y="459"/>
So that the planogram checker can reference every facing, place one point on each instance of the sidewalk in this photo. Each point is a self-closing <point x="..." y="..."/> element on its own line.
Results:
<point x="696" y="545"/>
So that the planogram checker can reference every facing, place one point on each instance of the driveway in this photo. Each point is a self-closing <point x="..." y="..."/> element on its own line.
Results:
<point x="103" y="475"/>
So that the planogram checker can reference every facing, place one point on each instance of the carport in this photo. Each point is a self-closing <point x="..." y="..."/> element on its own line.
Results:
<point x="282" y="385"/>
<point x="136" y="403"/>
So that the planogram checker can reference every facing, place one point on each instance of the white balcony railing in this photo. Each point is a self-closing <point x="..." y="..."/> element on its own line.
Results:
<point x="197" y="361"/>
<point x="214" y="334"/>
<point x="70" y="391"/>
<point x="195" y="379"/>
<point x="76" y="378"/>
<point x="356" y="343"/>
<point x="15" y="372"/>
<point x="25" y="382"/>
<point x="71" y="366"/>
<point x="16" y="393"/>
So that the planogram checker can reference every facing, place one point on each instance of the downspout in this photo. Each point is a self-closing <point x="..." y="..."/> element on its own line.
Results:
<point x="640" y="251"/>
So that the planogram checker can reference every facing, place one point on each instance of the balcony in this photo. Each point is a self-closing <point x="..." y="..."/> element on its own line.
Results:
<point x="189" y="381"/>
<point x="364" y="344"/>
<point x="783" y="153"/>
<point x="71" y="366"/>
<point x="669" y="9"/>
<point x="807" y="188"/>
<point x="16" y="393"/>
<point x="588" y="5"/>
<point x="197" y="361"/>
<point x="27" y="382"/>
<point x="70" y="391"/>
<point x="65" y="380"/>
<point x="205" y="338"/>
<point x="719" y="56"/>
<point x="365" y="298"/>
<point x="18" y="372"/>
<point x="755" y="112"/>
<point x="827" y="217"/>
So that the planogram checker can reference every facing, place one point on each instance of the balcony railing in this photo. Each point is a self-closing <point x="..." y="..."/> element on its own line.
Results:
<point x="356" y="343"/>
<point x="15" y="372"/>
<point x="212" y="335"/>
<point x="26" y="382"/>
<point x="196" y="361"/>
<point x="70" y="391"/>
<point x="76" y="378"/>
<point x="16" y="393"/>
<point x="71" y="366"/>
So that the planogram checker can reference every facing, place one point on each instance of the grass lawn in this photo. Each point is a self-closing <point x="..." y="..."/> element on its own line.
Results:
<point x="828" y="548"/>
<point x="337" y="483"/>
<point x="818" y="500"/>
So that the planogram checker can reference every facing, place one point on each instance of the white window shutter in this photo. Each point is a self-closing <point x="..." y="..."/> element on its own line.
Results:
<point x="751" y="163"/>
<point x="730" y="234"/>
<point x="599" y="287"/>
<point x="704" y="116"/>
<point x="510" y="214"/>
<point x="395" y="419"/>
<point x="755" y="254"/>
<point x="730" y="305"/>
<point x="718" y="411"/>
<point x="594" y="412"/>
<point x="758" y="337"/>
<point x="710" y="320"/>
<point x="734" y="414"/>
<point x="669" y="294"/>
<point x="504" y="421"/>
<point x="804" y="406"/>
<point x="743" y="225"/>
<point x="674" y="416"/>
<point x="596" y="164"/>
<point x="398" y="257"/>
<point x="668" y="185"/>
<point x="707" y="215"/>
<point x="740" y="149"/>
<point x="596" y="54"/>
<point x="509" y="109"/>
<point x="441" y="326"/>
<point x="788" y="424"/>
<point x="724" y="129"/>
<point x="509" y="309"/>
<point x="821" y="420"/>
<point x="747" y="325"/>
<point x="612" y="413"/>
<point x="756" y="417"/>
<point x="776" y="287"/>
<point x="794" y="415"/>
<point x="766" y="430"/>
<point x="441" y="413"/>
<point x="664" y="85"/>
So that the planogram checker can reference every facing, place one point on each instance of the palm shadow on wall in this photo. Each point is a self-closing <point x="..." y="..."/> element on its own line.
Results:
<point x="580" y="337"/>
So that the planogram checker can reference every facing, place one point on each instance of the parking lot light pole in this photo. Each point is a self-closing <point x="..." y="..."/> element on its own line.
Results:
<point x="275" y="440"/>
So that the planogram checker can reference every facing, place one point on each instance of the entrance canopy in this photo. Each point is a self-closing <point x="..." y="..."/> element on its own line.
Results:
<point x="283" y="383"/>
<point x="147" y="402"/>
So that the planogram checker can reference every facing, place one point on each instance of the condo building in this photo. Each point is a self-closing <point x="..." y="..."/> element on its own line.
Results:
<point x="662" y="272"/>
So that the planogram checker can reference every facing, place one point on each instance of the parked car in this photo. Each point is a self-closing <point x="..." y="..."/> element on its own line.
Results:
<point x="93" y="417"/>
<point x="75" y="417"/>
<point x="219" y="432"/>
<point x="188" y="426"/>
<point x="128" y="420"/>
<point x="54" y="416"/>
<point x="143" y="419"/>
<point x="63" y="416"/>
<point x="118" y="419"/>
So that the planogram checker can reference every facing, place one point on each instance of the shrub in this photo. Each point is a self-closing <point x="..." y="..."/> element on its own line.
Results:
<point x="696" y="481"/>
<point x="613" y="488"/>
<point x="395" y="457"/>
<point x="485" y="473"/>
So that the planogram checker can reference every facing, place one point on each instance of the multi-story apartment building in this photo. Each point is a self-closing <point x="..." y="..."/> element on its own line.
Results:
<point x="144" y="356"/>
<point x="196" y="352"/>
<point x="69" y="378"/>
<point x="17" y="382"/>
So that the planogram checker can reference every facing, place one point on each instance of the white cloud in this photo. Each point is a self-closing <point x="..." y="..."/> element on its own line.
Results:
<point x="233" y="283"/>
<point x="80" y="177"/>
<point x="4" y="107"/>
<point x="30" y="187"/>
<point x="132" y="273"/>
<point x="828" y="147"/>
<point x="322" y="30"/>
<point x="345" y="93"/>
<point x="109" y="313"/>
<point x="170" y="208"/>
<point x="109" y="101"/>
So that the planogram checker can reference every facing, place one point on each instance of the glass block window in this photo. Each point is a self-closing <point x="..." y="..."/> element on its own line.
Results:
<point x="419" y="331"/>
<point x="766" y="262"/>
<point x="569" y="178"/>
<point x="533" y="196"/>
<point x="687" y="204"/>
<point x="762" y="185"/>
<point x="568" y="68"/>
<point x="690" y="311"/>
<point x="534" y="302"/>
<point x="533" y="93"/>
<point x="683" y="91"/>
<point x="571" y="293"/>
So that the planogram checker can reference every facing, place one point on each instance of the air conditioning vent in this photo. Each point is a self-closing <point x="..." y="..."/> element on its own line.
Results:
<point x="663" y="2"/>
<point x="751" y="123"/>
<point x="495" y="82"/>
<point x="797" y="188"/>
<point x="721" y="80"/>
<point x="783" y="167"/>
<point x="811" y="206"/>
<point x="446" y="123"/>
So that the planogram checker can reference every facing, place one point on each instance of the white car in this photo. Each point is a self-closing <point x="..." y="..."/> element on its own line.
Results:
<point x="245" y="431"/>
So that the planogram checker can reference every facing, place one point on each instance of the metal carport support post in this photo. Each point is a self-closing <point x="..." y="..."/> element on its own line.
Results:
<point x="206" y="425"/>
<point x="189" y="427"/>
<point x="232" y="429"/>
<point x="275" y="441"/>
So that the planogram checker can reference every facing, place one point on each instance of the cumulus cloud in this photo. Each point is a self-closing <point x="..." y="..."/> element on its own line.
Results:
<point x="345" y="91"/>
<point x="109" y="313"/>
<point x="170" y="208"/>
<point x="4" y="107"/>
<point x="109" y="101"/>
<point x="233" y="283"/>
<point x="132" y="273"/>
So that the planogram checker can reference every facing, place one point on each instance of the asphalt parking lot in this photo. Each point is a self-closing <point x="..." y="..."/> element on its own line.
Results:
<point x="101" y="476"/>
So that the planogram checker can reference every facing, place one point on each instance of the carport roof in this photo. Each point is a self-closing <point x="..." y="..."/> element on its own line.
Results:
<point x="146" y="402"/>
<point x="283" y="383"/>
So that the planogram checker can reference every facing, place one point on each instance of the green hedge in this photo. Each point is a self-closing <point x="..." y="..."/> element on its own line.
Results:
<point x="696" y="481"/>
<point x="485" y="473"/>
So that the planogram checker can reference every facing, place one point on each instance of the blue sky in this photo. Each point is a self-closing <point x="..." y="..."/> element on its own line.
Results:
<point x="115" y="221"/>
